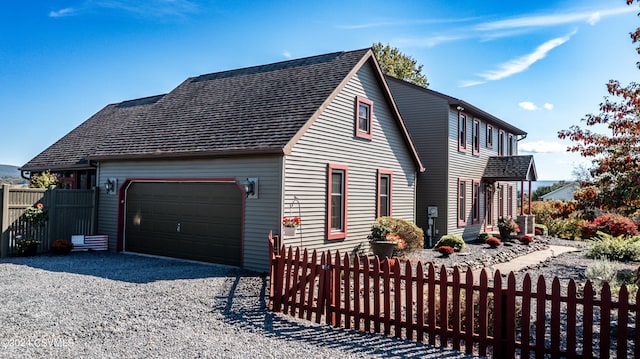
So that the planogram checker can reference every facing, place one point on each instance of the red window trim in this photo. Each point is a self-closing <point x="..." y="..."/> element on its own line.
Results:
<point x="510" y="200"/>
<point x="475" y="202"/>
<point x="462" y="222"/>
<point x="475" y="138"/>
<point x="510" y="146"/>
<point x="500" y="143"/>
<point x="489" y="136"/>
<point x="462" y="132"/>
<point x="331" y="234"/>
<point x="382" y="172"/>
<point x="358" y="133"/>
<point x="500" y="200"/>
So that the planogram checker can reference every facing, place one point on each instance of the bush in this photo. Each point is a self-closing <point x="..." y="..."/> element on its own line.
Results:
<point x="61" y="246"/>
<point x="526" y="239"/>
<point x="611" y="223"/>
<point x="494" y="241"/>
<point x="547" y="211"/>
<point x="412" y="235"/>
<point x="454" y="241"/>
<point x="601" y="271"/>
<point x="541" y="230"/>
<point x="445" y="250"/>
<point x="606" y="246"/>
<point x="482" y="237"/>
<point x="567" y="228"/>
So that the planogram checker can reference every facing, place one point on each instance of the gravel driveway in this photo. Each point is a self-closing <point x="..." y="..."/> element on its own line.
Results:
<point x="105" y="305"/>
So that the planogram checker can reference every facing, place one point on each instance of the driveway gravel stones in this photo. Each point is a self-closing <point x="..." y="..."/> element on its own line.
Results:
<point x="106" y="305"/>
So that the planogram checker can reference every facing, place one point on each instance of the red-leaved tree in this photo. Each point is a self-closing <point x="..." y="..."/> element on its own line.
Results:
<point x="615" y="153"/>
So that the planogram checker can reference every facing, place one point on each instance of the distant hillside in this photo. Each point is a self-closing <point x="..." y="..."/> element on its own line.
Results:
<point x="11" y="175"/>
<point x="9" y="171"/>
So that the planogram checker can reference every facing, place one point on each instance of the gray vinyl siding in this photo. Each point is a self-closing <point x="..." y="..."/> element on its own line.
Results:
<point x="423" y="116"/>
<point x="331" y="140"/>
<point x="433" y="126"/>
<point x="260" y="215"/>
<point x="471" y="167"/>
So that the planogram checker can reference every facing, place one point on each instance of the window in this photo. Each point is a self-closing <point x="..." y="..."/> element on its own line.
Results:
<point x="462" y="132"/>
<point x="337" y="201"/>
<point x="510" y="201"/>
<point x="364" y="118"/>
<point x="500" y="201"/>
<point x="384" y="193"/>
<point x="500" y="143"/>
<point x="489" y="136"/>
<point x="476" y="136"/>
<point x="510" y="145"/>
<point x="462" y="202"/>
<point x="488" y="220"/>
<point x="475" y="202"/>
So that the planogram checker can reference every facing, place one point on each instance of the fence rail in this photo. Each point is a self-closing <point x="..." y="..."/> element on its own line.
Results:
<point x="69" y="212"/>
<point x="416" y="304"/>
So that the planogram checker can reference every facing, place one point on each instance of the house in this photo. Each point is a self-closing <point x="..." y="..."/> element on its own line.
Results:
<point x="564" y="193"/>
<point x="472" y="157"/>
<point x="205" y="171"/>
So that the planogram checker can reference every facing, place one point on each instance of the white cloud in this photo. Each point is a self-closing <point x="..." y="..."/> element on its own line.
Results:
<point x="567" y="17"/>
<point x="524" y="62"/>
<point x="62" y="12"/>
<point x="469" y="83"/>
<point x="542" y="147"/>
<point x="286" y="54"/>
<point x="530" y="106"/>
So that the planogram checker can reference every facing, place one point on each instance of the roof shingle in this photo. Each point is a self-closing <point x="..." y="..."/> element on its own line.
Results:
<point x="510" y="168"/>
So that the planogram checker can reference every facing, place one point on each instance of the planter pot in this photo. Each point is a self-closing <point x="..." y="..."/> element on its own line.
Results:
<point x="382" y="249"/>
<point x="505" y="234"/>
<point x="31" y="250"/>
<point x="290" y="231"/>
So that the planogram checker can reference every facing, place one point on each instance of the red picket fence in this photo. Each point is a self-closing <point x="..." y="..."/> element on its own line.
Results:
<point x="412" y="303"/>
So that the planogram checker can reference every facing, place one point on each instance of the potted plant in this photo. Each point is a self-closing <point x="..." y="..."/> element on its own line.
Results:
<point x="34" y="217"/>
<point x="383" y="241"/>
<point x="290" y="225"/>
<point x="61" y="246"/>
<point x="507" y="226"/>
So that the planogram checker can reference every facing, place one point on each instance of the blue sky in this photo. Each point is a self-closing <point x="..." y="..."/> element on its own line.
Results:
<point x="538" y="65"/>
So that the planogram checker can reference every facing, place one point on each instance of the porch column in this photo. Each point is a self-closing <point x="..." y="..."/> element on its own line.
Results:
<point x="521" y="197"/>
<point x="530" y="196"/>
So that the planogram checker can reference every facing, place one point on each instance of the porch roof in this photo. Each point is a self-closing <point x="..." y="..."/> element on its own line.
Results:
<point x="510" y="168"/>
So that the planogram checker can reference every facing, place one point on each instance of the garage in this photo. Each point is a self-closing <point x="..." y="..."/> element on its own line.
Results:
<point x="190" y="220"/>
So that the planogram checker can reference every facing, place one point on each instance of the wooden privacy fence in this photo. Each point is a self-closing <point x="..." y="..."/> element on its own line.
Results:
<point x="69" y="212"/>
<point x="452" y="309"/>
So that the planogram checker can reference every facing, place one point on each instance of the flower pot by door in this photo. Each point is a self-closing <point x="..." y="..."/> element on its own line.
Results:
<point x="382" y="249"/>
<point x="290" y="231"/>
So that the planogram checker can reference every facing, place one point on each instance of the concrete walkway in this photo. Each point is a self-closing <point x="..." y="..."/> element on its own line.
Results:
<point x="528" y="260"/>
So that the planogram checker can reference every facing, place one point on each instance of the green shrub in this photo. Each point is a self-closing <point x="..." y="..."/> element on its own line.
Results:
<point x="452" y="240"/>
<point x="601" y="271"/>
<point x="412" y="235"/>
<point x="614" y="224"/>
<point x="618" y="248"/>
<point x="567" y="228"/>
<point x="482" y="237"/>
<point x="541" y="230"/>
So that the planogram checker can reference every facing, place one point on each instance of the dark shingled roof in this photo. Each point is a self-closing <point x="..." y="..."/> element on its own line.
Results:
<point x="255" y="110"/>
<point x="72" y="150"/>
<point x="252" y="110"/>
<point x="510" y="168"/>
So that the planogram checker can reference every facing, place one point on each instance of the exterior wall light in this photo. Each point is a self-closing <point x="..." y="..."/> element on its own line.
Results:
<point x="250" y="187"/>
<point x="110" y="185"/>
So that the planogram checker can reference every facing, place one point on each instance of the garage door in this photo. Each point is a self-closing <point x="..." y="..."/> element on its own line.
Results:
<point x="191" y="220"/>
